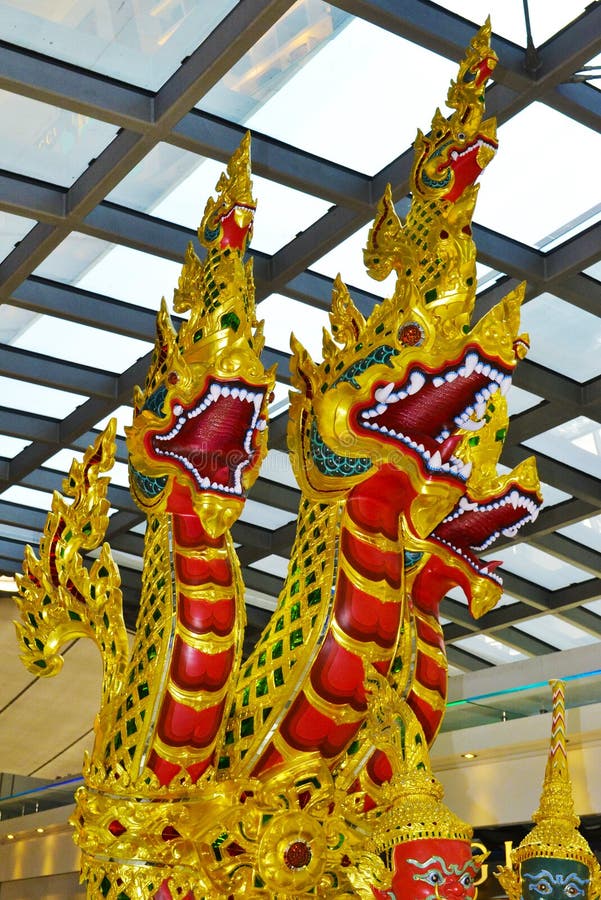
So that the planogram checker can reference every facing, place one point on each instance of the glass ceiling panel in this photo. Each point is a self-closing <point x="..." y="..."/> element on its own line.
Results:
<point x="128" y="275"/>
<point x="11" y="446"/>
<point x="42" y="141"/>
<point x="143" y="43"/>
<point x="490" y="649"/>
<point x="12" y="230"/>
<point x="281" y="211"/>
<point x="123" y="414"/>
<point x="265" y="516"/>
<point x="62" y="460"/>
<point x="283" y="315"/>
<point x="36" y="398"/>
<point x="577" y="443"/>
<point x="347" y="260"/>
<point x="557" y="631"/>
<point x="27" y="497"/>
<point x="507" y="16"/>
<point x="272" y="565"/>
<point x="539" y="567"/>
<point x="587" y="532"/>
<point x="81" y="344"/>
<point x="303" y="30"/>
<point x="546" y="318"/>
<point x="325" y="119"/>
<point x="519" y="400"/>
<point x="534" y="209"/>
<point x="277" y="467"/>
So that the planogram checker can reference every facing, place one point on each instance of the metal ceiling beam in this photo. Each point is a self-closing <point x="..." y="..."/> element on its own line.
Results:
<point x="229" y="41"/>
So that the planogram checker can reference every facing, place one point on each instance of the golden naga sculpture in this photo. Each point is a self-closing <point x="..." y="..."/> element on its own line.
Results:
<point x="211" y="776"/>
<point x="554" y="860"/>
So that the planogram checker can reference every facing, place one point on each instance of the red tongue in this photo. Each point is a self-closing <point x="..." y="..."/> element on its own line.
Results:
<point x="447" y="448"/>
<point x="492" y="565"/>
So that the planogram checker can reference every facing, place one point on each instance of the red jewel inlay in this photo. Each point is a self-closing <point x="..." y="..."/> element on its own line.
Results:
<point x="116" y="828"/>
<point x="298" y="855"/>
<point x="170" y="833"/>
<point x="172" y="377"/>
<point x="411" y="335"/>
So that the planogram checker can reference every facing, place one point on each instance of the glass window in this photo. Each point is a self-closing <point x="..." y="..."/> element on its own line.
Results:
<point x="143" y="43"/>
<point x="272" y="565"/>
<point x="37" y="398"/>
<point x="42" y="141"/>
<point x="12" y="230"/>
<point x="346" y="259"/>
<point x="539" y="567"/>
<point x="27" y="497"/>
<point x="11" y="446"/>
<point x="178" y="193"/>
<point x="540" y="201"/>
<point x="277" y="467"/>
<point x="490" y="649"/>
<point x="123" y="414"/>
<point x="351" y="121"/>
<point x="556" y="631"/>
<point x="265" y="516"/>
<point x="579" y="356"/>
<point x="81" y="344"/>
<point x="587" y="532"/>
<point x="577" y="443"/>
<point x="128" y="275"/>
<point x="283" y="315"/>
<point x="508" y="20"/>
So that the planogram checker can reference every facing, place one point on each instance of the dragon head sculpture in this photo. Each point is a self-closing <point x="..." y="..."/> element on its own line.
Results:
<point x="207" y="380"/>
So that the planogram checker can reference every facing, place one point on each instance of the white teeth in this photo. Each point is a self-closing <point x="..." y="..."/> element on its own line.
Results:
<point x="451" y="376"/>
<point x="436" y="460"/>
<point x="480" y="410"/>
<point x="466" y="471"/>
<point x="505" y="384"/>
<point x="383" y="393"/>
<point x="511" y="532"/>
<point x="416" y="383"/>
<point x="225" y="391"/>
<point x="380" y="408"/>
<point x="215" y="391"/>
<point x="471" y="360"/>
<point x="177" y="409"/>
<point x="438" y="381"/>
<point x="261" y="425"/>
<point x="235" y="393"/>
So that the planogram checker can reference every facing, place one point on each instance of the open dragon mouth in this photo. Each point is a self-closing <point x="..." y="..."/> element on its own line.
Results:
<point x="473" y="526"/>
<point x="424" y="412"/>
<point x="467" y="164"/>
<point x="215" y="439"/>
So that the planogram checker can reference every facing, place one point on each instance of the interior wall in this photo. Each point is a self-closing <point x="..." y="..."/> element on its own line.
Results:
<point x="502" y="785"/>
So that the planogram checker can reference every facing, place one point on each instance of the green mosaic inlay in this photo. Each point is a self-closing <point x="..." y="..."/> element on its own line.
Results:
<point x="296" y="638"/>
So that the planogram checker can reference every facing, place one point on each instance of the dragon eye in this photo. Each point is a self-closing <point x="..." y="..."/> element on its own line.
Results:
<point x="434" y="877"/>
<point x="572" y="890"/>
<point x="461" y="135"/>
<point x="543" y="887"/>
<point x="466" y="880"/>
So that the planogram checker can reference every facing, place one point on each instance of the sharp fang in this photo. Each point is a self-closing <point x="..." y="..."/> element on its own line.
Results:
<point x="436" y="460"/>
<point x="471" y="360"/>
<point x="467" y="470"/>
<point x="416" y="383"/>
<point x="382" y="393"/>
